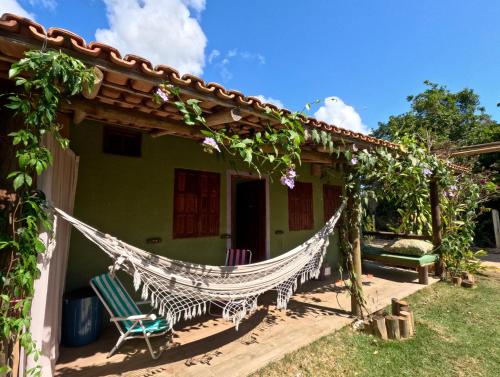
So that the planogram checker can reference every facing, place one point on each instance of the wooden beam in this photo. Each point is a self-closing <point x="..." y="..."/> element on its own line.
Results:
<point x="214" y="120"/>
<point x="79" y="116"/>
<point x="355" y="240"/>
<point x="223" y="117"/>
<point x="477" y="149"/>
<point x="127" y="117"/>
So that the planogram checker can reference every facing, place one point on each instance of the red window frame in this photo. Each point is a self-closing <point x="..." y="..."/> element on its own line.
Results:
<point x="300" y="207"/>
<point x="196" y="204"/>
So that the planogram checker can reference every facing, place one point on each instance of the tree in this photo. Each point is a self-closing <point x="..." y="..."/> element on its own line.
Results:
<point x="440" y="118"/>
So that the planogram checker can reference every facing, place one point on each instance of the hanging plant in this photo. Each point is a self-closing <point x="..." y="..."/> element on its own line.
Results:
<point x="43" y="80"/>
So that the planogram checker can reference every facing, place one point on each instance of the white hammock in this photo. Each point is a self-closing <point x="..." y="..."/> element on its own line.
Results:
<point x="182" y="290"/>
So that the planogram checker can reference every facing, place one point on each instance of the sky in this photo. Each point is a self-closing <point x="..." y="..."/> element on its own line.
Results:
<point x="359" y="58"/>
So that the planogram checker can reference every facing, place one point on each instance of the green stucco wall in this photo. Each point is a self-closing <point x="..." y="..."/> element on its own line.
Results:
<point x="132" y="198"/>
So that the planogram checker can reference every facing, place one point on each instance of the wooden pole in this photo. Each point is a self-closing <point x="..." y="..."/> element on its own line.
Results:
<point x="411" y="325"/>
<point x="404" y="327"/>
<point x="399" y="306"/>
<point x="355" y="239"/>
<point x="496" y="227"/>
<point x="378" y="327"/>
<point x="436" y="220"/>
<point x="392" y="324"/>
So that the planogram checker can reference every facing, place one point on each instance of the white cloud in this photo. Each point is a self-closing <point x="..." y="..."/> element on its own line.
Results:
<point x="49" y="4"/>
<point x="338" y="113"/>
<point x="12" y="6"/>
<point x="270" y="100"/>
<point x="222" y="62"/>
<point x="214" y="54"/>
<point x="162" y="31"/>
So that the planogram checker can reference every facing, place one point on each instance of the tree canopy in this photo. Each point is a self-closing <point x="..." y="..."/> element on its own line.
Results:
<point x="440" y="118"/>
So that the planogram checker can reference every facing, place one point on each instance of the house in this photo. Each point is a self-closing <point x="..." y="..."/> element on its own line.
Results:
<point x="136" y="171"/>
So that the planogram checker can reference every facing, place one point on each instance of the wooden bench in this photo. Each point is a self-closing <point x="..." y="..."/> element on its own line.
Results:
<point x="378" y="254"/>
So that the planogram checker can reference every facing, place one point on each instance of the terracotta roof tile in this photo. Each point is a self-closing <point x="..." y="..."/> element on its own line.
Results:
<point x="57" y="38"/>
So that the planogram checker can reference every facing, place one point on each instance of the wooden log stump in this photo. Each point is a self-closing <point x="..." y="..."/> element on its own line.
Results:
<point x="392" y="325"/>
<point x="467" y="284"/>
<point x="409" y="316"/>
<point x="378" y="327"/>
<point x="456" y="280"/>
<point x="468" y="276"/>
<point x="423" y="275"/>
<point x="404" y="327"/>
<point x="398" y="306"/>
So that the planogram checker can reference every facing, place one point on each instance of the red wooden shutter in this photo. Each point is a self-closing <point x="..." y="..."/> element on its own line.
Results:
<point x="331" y="200"/>
<point x="196" y="203"/>
<point x="300" y="207"/>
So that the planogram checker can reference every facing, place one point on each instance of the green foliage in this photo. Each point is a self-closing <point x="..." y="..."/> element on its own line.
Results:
<point x="275" y="148"/>
<point x="439" y="116"/>
<point x="401" y="178"/>
<point x="461" y="206"/>
<point x="43" y="80"/>
<point x="439" y="119"/>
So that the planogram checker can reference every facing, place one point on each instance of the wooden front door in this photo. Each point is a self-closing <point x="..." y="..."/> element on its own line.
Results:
<point x="249" y="217"/>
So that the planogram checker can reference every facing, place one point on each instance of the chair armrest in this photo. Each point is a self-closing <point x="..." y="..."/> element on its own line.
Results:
<point x="138" y="317"/>
<point x="146" y="302"/>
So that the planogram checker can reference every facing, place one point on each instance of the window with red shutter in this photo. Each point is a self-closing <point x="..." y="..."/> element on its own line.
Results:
<point x="196" y="203"/>
<point x="332" y="196"/>
<point x="300" y="207"/>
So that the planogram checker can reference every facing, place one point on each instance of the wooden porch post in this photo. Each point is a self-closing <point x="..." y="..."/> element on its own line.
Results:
<point x="355" y="240"/>
<point x="436" y="220"/>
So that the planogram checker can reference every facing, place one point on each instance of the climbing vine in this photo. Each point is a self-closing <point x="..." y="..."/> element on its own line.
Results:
<point x="43" y="80"/>
<point x="275" y="148"/>
<point x="402" y="177"/>
<point x="399" y="176"/>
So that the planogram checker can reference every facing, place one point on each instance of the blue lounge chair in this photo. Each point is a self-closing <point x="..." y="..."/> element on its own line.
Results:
<point x="125" y="314"/>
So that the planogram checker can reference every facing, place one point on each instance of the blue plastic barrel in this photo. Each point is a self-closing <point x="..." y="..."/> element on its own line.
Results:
<point x="82" y="317"/>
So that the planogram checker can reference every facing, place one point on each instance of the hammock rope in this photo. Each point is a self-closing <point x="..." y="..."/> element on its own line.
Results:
<point x="183" y="290"/>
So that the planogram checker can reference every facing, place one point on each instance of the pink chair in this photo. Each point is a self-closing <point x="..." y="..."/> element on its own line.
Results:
<point x="234" y="257"/>
<point x="237" y="257"/>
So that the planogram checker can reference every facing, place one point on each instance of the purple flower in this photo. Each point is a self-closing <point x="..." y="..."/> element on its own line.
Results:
<point x="453" y="188"/>
<point x="285" y="181"/>
<point x="449" y="194"/>
<point x="483" y="181"/>
<point x="211" y="144"/>
<point x="354" y="161"/>
<point x="291" y="173"/>
<point x="160" y="93"/>
<point x="427" y="171"/>
<point x="288" y="179"/>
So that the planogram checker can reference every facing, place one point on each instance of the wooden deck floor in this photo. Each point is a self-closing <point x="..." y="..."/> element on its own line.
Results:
<point x="212" y="347"/>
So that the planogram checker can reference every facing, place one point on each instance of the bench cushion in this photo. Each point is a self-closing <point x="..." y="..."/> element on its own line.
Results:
<point x="379" y="254"/>
<point x="409" y="247"/>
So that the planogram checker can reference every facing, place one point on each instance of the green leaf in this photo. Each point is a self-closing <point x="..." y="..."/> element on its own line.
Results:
<point x="39" y="246"/>
<point x="14" y="71"/>
<point x="18" y="181"/>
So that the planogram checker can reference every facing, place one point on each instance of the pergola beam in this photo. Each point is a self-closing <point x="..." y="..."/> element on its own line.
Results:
<point x="477" y="149"/>
<point x="224" y="117"/>
<point x="83" y="108"/>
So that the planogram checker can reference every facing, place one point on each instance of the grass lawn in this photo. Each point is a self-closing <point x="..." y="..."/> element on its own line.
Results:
<point x="458" y="334"/>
